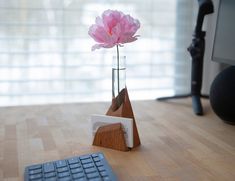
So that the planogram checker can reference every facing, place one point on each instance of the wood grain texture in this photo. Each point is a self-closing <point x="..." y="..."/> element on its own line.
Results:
<point x="175" y="144"/>
<point x="111" y="136"/>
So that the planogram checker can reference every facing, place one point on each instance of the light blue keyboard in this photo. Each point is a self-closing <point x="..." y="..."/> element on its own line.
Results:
<point x="90" y="167"/>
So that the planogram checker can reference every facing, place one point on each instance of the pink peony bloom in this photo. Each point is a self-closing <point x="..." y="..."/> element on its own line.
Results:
<point x="113" y="28"/>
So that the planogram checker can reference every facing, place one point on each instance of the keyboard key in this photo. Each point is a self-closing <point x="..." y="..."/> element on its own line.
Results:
<point x="33" y="167"/>
<point x="40" y="179"/>
<point x="98" y="164"/>
<point x="73" y="160"/>
<point x="88" y="165"/>
<point x="89" y="170"/>
<point x="65" y="179"/>
<point x="36" y="176"/>
<point x="76" y="165"/>
<point x="35" y="171"/>
<point x="96" y="159"/>
<point x="62" y="169"/>
<point x="102" y="168"/>
<point x="106" y="179"/>
<point x="84" y="157"/>
<point x="95" y="155"/>
<point x="60" y="163"/>
<point x="95" y="179"/>
<point x="86" y="161"/>
<point x="80" y="179"/>
<point x="51" y="174"/>
<point x="78" y="175"/>
<point x="76" y="170"/>
<point x="50" y="179"/>
<point x="103" y="173"/>
<point x="64" y="174"/>
<point x="92" y="175"/>
<point x="48" y="167"/>
<point x="101" y="156"/>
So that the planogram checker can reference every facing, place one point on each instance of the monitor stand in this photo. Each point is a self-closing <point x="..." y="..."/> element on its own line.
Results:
<point x="196" y="50"/>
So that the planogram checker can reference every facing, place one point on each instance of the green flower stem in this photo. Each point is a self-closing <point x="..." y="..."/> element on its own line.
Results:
<point x="118" y="69"/>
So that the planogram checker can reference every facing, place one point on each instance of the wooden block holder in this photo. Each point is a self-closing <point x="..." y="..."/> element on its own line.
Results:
<point x="112" y="135"/>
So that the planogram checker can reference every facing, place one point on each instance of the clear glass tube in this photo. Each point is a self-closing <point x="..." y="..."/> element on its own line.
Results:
<point x="118" y="75"/>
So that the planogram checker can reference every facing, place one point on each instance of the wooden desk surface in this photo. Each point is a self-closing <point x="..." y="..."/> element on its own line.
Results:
<point x="176" y="144"/>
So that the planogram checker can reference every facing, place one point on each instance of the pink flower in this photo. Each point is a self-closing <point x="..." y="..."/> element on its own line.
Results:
<point x="113" y="28"/>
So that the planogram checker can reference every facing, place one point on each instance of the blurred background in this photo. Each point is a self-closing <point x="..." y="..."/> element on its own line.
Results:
<point x="46" y="57"/>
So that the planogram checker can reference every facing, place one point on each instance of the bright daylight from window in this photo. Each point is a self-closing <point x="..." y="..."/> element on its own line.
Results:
<point x="46" y="57"/>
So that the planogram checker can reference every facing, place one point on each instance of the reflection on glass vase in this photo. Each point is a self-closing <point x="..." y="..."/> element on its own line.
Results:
<point x="118" y="78"/>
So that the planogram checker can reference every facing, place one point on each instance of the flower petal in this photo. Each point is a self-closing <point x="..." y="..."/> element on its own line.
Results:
<point x="98" y="46"/>
<point x="98" y="34"/>
<point x="113" y="28"/>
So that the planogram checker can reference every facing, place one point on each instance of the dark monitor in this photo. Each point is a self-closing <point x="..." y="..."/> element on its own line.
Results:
<point x="223" y="34"/>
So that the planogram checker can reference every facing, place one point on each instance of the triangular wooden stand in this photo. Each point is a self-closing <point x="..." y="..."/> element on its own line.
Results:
<point x="121" y="107"/>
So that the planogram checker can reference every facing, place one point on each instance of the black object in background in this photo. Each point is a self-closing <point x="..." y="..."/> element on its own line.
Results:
<point x="196" y="50"/>
<point x="222" y="95"/>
